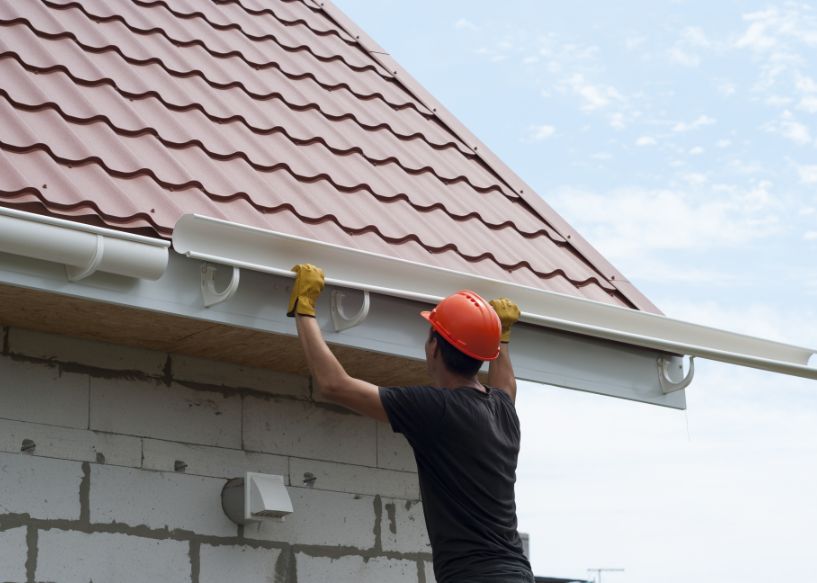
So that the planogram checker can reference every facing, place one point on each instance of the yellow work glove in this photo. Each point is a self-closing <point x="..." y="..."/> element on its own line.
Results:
<point x="306" y="289"/>
<point x="508" y="313"/>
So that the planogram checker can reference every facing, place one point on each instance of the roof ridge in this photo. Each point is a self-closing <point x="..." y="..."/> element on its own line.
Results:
<point x="589" y="255"/>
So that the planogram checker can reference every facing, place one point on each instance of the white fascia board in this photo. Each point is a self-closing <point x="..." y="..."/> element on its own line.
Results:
<point x="393" y="325"/>
<point x="82" y="249"/>
<point x="272" y="252"/>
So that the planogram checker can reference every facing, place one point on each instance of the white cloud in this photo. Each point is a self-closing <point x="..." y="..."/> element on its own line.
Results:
<point x="723" y="143"/>
<point x="810" y="236"/>
<point x="636" y="222"/>
<point x="681" y="57"/>
<point x="808" y="104"/>
<point x="696" y="151"/>
<point x="805" y="84"/>
<point x="695" y="36"/>
<point x="699" y="122"/>
<point x="757" y="36"/>
<point x="645" y="141"/>
<point x="726" y="88"/>
<point x="789" y="128"/>
<point x="633" y="42"/>
<point x="465" y="24"/>
<point x="593" y="96"/>
<point x="617" y="121"/>
<point x="694" y="178"/>
<point x="808" y="173"/>
<point x="542" y="132"/>
<point x="685" y="50"/>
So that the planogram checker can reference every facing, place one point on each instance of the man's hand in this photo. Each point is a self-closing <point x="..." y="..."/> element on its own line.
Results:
<point x="305" y="291"/>
<point x="508" y="313"/>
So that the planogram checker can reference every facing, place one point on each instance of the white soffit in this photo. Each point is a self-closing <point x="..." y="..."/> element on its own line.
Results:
<point x="83" y="249"/>
<point x="267" y="251"/>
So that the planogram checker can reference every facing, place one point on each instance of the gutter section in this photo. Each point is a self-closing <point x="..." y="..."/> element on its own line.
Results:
<point x="272" y="252"/>
<point x="83" y="249"/>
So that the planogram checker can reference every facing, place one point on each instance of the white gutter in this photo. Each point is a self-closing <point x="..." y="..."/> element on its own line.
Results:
<point x="267" y="251"/>
<point x="83" y="249"/>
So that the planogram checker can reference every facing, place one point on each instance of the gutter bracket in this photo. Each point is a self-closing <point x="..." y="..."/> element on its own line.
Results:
<point x="667" y="385"/>
<point x="77" y="273"/>
<point x="208" y="288"/>
<point x="339" y="318"/>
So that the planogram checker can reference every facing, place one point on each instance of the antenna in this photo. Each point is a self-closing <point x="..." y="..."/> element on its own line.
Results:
<point x="601" y="570"/>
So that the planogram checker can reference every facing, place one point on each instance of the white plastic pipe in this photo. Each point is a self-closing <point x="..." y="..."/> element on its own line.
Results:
<point x="83" y="249"/>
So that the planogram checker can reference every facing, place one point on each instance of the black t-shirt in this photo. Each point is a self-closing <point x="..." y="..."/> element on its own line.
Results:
<point x="466" y="444"/>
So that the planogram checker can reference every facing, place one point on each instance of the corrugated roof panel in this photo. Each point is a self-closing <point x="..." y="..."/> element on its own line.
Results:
<point x="272" y="115"/>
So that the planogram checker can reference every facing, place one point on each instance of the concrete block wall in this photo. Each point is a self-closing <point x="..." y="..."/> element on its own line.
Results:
<point x="112" y="461"/>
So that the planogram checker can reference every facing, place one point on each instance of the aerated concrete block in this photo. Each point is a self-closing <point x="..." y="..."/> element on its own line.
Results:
<point x="41" y="394"/>
<point x="351" y="569"/>
<point x="403" y="527"/>
<point x="71" y="444"/>
<point x="306" y="430"/>
<point x="77" y="557"/>
<point x="41" y="487"/>
<point x="13" y="554"/>
<point x="158" y="500"/>
<point x="238" y="564"/>
<point x="223" y="374"/>
<point x="217" y="462"/>
<point x="86" y="352"/>
<point x="173" y="413"/>
<point x="429" y="572"/>
<point x="393" y="451"/>
<point x="355" y="479"/>
<point x="322" y="518"/>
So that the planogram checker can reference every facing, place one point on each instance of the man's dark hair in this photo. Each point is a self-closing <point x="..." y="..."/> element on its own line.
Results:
<point x="454" y="360"/>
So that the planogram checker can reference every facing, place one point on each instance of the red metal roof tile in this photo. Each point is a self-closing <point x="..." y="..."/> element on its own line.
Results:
<point x="272" y="115"/>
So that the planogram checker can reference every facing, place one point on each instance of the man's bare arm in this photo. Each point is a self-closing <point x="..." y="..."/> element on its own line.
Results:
<point x="331" y="379"/>
<point x="500" y="372"/>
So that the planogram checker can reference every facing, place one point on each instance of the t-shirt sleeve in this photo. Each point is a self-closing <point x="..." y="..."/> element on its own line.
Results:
<point x="416" y="412"/>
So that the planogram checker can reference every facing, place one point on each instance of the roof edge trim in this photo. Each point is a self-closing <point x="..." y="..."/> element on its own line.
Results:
<point x="594" y="258"/>
<point x="83" y="249"/>
<point x="266" y="251"/>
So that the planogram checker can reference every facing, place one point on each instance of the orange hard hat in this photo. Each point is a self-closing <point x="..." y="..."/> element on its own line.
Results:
<point x="469" y="323"/>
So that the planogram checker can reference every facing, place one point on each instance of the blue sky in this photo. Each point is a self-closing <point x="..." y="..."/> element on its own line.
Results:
<point x="680" y="138"/>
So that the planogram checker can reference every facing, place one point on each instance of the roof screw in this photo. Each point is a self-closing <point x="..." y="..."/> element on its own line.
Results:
<point x="476" y="148"/>
<point x="28" y="446"/>
<point x="310" y="479"/>
<point x="179" y="466"/>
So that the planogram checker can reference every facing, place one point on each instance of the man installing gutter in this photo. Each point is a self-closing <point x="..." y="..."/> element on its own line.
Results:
<point x="465" y="435"/>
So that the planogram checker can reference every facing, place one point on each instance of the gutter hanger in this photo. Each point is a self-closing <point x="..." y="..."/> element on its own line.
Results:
<point x="241" y="246"/>
<point x="83" y="249"/>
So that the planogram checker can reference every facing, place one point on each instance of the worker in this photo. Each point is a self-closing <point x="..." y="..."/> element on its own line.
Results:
<point x="465" y="435"/>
